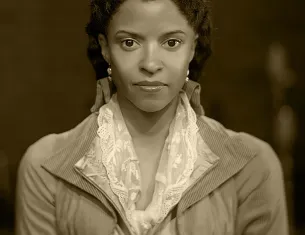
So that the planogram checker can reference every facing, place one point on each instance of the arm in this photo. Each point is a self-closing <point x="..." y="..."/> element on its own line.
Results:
<point x="35" y="210"/>
<point x="262" y="203"/>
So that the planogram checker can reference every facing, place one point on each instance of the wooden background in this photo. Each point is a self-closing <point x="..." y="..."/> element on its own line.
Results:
<point x="47" y="84"/>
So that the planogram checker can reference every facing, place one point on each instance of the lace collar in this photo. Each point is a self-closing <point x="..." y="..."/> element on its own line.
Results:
<point x="114" y="160"/>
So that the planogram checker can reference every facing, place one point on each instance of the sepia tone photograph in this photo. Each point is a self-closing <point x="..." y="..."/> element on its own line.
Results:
<point x="152" y="117"/>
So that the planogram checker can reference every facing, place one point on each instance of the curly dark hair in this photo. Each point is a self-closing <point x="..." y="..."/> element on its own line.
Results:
<point x="197" y="12"/>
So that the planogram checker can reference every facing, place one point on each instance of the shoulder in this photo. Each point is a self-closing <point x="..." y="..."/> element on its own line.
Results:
<point x="265" y="162"/>
<point x="48" y="145"/>
<point x="264" y="169"/>
<point x="212" y="124"/>
<point x="263" y="173"/>
<point x="265" y="157"/>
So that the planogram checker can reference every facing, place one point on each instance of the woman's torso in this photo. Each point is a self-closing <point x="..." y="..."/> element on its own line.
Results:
<point x="82" y="208"/>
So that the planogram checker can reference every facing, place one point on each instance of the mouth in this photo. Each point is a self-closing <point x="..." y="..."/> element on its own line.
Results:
<point x="151" y="88"/>
<point x="150" y="84"/>
<point x="154" y="86"/>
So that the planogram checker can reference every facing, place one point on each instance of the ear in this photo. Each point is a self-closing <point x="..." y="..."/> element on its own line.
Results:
<point x="193" y="48"/>
<point x="104" y="47"/>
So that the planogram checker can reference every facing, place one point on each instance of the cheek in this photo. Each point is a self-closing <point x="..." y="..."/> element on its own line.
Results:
<point x="121" y="81"/>
<point x="178" y="62"/>
<point x="178" y="79"/>
<point x="178" y="71"/>
<point x="124" y="69"/>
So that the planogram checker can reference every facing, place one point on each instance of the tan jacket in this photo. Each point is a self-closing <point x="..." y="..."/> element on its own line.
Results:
<point x="242" y="193"/>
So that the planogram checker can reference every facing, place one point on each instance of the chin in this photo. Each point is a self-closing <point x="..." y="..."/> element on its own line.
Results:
<point x="151" y="106"/>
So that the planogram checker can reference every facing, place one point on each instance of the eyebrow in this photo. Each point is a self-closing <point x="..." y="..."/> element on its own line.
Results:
<point x="133" y="34"/>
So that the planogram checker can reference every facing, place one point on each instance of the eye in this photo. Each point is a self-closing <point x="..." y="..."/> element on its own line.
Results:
<point x="172" y="43"/>
<point x="128" y="44"/>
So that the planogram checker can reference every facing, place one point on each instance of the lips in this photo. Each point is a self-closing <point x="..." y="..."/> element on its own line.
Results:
<point x="154" y="83"/>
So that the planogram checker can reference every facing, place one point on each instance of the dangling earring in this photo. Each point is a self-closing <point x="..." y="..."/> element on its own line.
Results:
<point x="109" y="73"/>
<point x="187" y="78"/>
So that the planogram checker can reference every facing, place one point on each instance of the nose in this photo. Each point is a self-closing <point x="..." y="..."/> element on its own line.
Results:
<point x="151" y="63"/>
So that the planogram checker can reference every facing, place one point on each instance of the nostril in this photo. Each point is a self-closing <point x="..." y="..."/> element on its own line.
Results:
<point x="147" y="73"/>
<point x="150" y="71"/>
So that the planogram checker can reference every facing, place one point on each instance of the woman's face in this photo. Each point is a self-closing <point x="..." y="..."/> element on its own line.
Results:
<point x="148" y="41"/>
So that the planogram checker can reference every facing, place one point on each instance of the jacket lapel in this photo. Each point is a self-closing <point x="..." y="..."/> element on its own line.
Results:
<point x="61" y="164"/>
<point x="233" y="156"/>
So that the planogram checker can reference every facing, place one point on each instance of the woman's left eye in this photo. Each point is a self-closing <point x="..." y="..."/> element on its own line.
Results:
<point x="172" y="43"/>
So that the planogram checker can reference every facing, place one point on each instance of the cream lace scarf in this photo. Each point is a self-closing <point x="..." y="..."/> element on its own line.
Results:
<point x="117" y="160"/>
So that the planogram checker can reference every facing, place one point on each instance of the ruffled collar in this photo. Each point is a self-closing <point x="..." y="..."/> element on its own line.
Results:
<point x="114" y="160"/>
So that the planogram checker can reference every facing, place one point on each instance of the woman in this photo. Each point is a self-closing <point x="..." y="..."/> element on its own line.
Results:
<point x="148" y="161"/>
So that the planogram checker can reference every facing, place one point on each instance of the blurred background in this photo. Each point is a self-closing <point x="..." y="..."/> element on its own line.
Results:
<point x="254" y="82"/>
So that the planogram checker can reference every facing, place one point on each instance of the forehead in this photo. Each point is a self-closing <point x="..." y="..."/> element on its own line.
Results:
<point x="149" y="16"/>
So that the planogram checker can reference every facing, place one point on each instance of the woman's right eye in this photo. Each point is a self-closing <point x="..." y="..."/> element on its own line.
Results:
<point x="129" y="44"/>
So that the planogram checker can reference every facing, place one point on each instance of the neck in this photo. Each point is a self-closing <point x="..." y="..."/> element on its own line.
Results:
<point x="149" y="125"/>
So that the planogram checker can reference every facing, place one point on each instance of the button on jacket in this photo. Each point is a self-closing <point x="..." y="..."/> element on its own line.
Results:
<point x="242" y="193"/>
